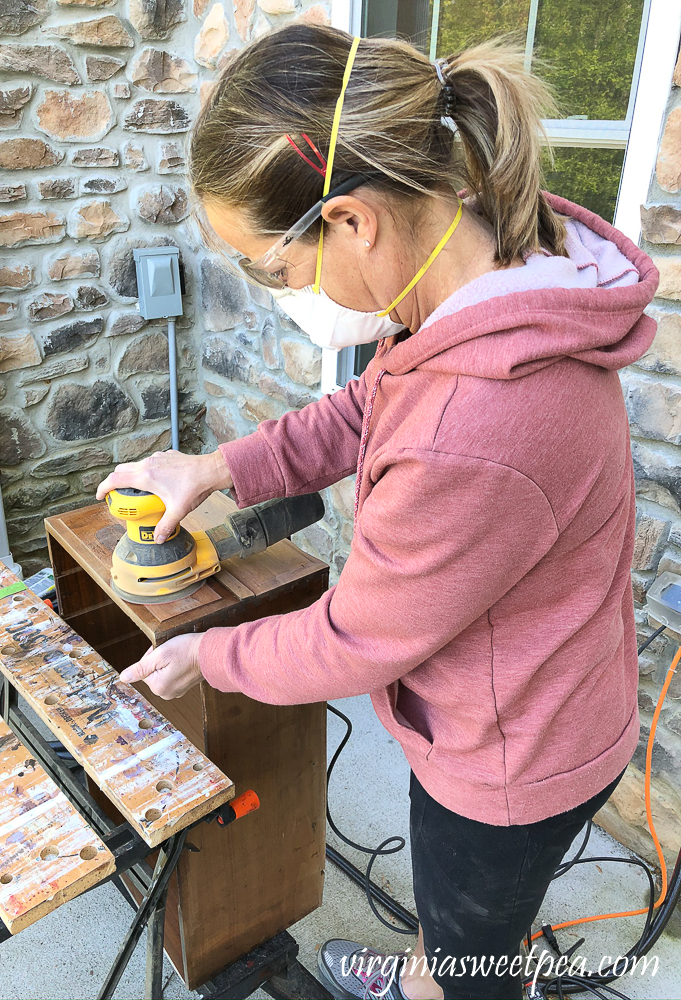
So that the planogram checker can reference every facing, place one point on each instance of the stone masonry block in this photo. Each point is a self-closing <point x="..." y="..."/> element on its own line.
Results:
<point x="48" y="61"/>
<point x="19" y="440"/>
<point x="664" y="354"/>
<point x="17" y="229"/>
<point x="223" y="296"/>
<point x="17" y="16"/>
<point x="99" y="68"/>
<point x="57" y="188"/>
<point x="162" y="204"/>
<point x="302" y="361"/>
<point x="73" y="264"/>
<point x="156" y="18"/>
<point x="108" y="31"/>
<point x="162" y="72"/>
<point x="96" y="221"/>
<point x="16" y="275"/>
<point x="12" y="192"/>
<point x="654" y="407"/>
<point x="18" y="350"/>
<point x="28" y="154"/>
<point x="670" y="276"/>
<point x="97" y="156"/>
<point x="661" y="223"/>
<point x="651" y="536"/>
<point x="83" y="412"/>
<point x="49" y="305"/>
<point x="668" y="167"/>
<point x="212" y="37"/>
<point x="73" y="117"/>
<point x="154" y="116"/>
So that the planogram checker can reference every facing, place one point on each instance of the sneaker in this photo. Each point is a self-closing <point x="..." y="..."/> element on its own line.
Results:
<point x="352" y="971"/>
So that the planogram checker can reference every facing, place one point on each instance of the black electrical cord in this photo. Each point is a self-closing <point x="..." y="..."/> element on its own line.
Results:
<point x="562" y="985"/>
<point x="370" y="888"/>
<point x="651" y="638"/>
<point x="653" y="927"/>
<point x="565" y="867"/>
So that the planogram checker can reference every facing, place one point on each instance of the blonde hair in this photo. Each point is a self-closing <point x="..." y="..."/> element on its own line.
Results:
<point x="288" y="81"/>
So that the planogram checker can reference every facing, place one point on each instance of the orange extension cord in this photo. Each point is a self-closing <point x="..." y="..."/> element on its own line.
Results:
<point x="649" y="815"/>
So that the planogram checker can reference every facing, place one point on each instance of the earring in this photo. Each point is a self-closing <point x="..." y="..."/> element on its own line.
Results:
<point x="367" y="243"/>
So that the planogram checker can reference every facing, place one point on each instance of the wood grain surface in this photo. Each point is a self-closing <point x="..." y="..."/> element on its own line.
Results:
<point x="48" y="853"/>
<point x="156" y="778"/>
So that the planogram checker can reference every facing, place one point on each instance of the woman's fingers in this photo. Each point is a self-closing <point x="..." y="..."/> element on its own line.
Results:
<point x="123" y="475"/>
<point x="138" y="671"/>
<point x="166" y="526"/>
<point x="162" y="473"/>
<point x="169" y="670"/>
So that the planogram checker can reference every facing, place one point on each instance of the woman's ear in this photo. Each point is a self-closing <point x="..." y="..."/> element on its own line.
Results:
<point x="355" y="219"/>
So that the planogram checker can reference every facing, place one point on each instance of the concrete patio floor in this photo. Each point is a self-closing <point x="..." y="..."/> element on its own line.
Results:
<point x="67" y="954"/>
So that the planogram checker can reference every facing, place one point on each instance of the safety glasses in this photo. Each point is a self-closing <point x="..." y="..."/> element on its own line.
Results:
<point x="271" y="270"/>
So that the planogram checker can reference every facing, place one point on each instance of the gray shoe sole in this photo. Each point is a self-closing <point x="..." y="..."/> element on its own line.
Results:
<point x="331" y="985"/>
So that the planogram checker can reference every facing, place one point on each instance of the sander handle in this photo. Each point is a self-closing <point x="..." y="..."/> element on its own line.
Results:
<point x="253" y="529"/>
<point x="286" y="515"/>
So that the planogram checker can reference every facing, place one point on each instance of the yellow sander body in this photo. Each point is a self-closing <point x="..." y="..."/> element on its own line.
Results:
<point x="145" y="572"/>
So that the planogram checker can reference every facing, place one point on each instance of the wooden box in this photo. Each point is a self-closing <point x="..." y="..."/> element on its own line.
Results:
<point x="255" y="878"/>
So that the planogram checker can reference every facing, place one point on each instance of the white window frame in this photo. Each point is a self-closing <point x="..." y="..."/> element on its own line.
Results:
<point x="638" y="134"/>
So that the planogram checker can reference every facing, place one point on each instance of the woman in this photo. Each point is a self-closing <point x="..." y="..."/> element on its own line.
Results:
<point x="486" y="603"/>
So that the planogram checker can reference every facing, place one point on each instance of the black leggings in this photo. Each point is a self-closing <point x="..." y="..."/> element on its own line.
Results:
<point x="479" y="887"/>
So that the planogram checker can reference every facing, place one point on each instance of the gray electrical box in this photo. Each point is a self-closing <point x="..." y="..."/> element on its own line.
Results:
<point x="158" y="282"/>
<point x="663" y="601"/>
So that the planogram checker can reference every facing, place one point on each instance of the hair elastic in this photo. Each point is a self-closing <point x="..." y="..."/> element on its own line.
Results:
<point x="449" y="96"/>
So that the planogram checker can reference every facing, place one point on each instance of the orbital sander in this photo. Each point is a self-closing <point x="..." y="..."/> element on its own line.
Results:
<point x="146" y="572"/>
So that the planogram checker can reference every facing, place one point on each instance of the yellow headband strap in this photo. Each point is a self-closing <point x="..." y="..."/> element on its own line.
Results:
<point x="332" y="151"/>
<point x="419" y="274"/>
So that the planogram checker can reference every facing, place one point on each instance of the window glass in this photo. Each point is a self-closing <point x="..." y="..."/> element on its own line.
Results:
<point x="592" y="49"/>
<point x="363" y="355"/>
<point x="465" y="22"/>
<point x="589" y="177"/>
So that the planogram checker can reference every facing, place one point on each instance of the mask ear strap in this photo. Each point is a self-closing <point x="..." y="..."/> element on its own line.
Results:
<point x="332" y="152"/>
<point x="419" y="274"/>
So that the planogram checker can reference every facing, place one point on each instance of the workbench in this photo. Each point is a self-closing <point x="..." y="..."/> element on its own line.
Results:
<point x="233" y="892"/>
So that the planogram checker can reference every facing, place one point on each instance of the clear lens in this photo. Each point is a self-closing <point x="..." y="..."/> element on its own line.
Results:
<point x="262" y="276"/>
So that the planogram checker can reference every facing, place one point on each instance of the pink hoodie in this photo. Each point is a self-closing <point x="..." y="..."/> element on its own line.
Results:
<point x="486" y="602"/>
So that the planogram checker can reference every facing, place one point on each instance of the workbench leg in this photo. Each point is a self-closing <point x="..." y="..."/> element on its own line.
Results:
<point x="166" y="863"/>
<point x="153" y="982"/>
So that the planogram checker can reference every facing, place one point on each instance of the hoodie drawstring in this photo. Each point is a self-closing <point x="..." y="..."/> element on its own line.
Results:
<point x="363" y="440"/>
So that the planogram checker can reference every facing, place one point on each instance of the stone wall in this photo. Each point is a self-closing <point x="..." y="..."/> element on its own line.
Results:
<point x="96" y="98"/>
<point x="652" y="390"/>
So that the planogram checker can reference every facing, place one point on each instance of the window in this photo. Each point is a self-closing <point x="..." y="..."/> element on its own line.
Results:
<point x="595" y="54"/>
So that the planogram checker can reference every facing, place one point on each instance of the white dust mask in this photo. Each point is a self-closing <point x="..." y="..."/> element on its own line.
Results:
<point x="329" y="324"/>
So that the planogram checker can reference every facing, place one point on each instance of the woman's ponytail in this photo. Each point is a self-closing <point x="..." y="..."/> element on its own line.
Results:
<point x="497" y="108"/>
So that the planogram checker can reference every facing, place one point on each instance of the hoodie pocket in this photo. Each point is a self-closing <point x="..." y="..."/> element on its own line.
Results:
<point x="384" y="702"/>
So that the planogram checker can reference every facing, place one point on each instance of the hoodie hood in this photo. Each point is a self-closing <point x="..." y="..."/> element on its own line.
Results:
<point x="587" y="306"/>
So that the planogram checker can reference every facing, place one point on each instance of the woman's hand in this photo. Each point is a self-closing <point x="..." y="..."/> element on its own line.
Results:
<point x="181" y="481"/>
<point x="170" y="670"/>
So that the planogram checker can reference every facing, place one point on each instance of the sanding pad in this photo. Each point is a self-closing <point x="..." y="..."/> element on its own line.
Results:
<point x="157" y="599"/>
